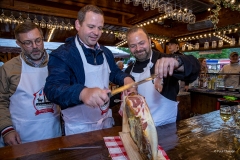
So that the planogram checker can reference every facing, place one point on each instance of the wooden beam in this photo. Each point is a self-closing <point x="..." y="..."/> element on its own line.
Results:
<point x="81" y="4"/>
<point x="142" y="15"/>
<point x="14" y="50"/>
<point x="9" y="56"/>
<point x="39" y="9"/>
<point x="111" y="16"/>
<point x="11" y="2"/>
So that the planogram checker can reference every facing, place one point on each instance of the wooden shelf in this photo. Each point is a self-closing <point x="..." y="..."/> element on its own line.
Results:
<point x="224" y="73"/>
<point x="212" y="49"/>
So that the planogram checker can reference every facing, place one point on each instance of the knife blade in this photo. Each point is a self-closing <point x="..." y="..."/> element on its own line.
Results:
<point x="134" y="84"/>
<point x="104" y="108"/>
<point x="73" y="148"/>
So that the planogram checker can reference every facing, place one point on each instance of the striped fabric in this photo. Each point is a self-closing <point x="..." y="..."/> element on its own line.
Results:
<point x="117" y="151"/>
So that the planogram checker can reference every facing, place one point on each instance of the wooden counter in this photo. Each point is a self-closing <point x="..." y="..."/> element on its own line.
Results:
<point x="204" y="101"/>
<point x="49" y="149"/>
<point x="184" y="105"/>
<point x="215" y="92"/>
<point x="198" y="137"/>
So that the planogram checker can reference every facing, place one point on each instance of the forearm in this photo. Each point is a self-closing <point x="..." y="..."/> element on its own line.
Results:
<point x="191" y="69"/>
<point x="6" y="125"/>
<point x="5" y="93"/>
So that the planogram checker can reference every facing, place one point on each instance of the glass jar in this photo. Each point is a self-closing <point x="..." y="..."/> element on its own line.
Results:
<point x="190" y="47"/>
<point x="183" y="47"/>
<point x="206" y="45"/>
<point x="232" y="42"/>
<point x="220" y="43"/>
<point x="214" y="44"/>
<point x="196" y="46"/>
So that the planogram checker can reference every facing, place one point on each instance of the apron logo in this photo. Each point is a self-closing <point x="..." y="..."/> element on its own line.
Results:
<point x="41" y="104"/>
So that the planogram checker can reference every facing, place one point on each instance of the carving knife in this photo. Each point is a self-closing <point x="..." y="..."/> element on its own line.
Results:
<point x="73" y="148"/>
<point x="134" y="84"/>
<point x="105" y="107"/>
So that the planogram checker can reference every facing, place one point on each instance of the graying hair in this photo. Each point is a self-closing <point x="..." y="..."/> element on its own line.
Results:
<point x="26" y="27"/>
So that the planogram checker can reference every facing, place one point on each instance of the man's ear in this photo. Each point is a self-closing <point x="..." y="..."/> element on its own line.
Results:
<point x="18" y="43"/>
<point x="77" y="25"/>
<point x="150" y="41"/>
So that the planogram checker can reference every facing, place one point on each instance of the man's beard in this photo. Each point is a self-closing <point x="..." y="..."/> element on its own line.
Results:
<point x="142" y="57"/>
<point x="30" y="55"/>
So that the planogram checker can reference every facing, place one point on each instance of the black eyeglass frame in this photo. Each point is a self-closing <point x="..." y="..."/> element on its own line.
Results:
<point x="29" y="43"/>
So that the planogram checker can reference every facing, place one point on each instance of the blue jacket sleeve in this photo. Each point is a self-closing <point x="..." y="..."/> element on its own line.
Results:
<point x="61" y="86"/>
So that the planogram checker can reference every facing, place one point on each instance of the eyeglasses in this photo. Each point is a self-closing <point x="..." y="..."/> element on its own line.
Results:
<point x="28" y="43"/>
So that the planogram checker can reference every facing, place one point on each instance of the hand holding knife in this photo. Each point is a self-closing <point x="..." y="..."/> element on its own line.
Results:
<point x="134" y="84"/>
<point x="158" y="86"/>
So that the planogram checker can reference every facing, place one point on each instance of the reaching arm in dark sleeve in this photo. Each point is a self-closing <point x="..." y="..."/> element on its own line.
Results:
<point x="192" y="68"/>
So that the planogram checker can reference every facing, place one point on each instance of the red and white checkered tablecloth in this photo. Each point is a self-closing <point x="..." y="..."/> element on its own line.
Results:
<point x="117" y="151"/>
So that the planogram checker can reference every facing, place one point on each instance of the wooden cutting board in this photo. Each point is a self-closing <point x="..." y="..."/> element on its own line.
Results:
<point x="130" y="147"/>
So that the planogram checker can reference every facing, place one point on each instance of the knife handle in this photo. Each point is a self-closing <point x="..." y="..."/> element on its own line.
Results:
<point x="109" y="94"/>
<point x="104" y="108"/>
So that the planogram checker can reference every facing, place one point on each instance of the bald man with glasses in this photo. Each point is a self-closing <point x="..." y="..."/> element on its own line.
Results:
<point x="25" y="113"/>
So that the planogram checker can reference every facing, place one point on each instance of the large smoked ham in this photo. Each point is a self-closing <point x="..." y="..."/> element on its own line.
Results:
<point x="141" y="127"/>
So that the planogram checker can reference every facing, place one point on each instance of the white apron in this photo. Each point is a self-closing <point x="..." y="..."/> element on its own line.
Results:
<point x="82" y="118"/>
<point x="163" y="110"/>
<point x="33" y="116"/>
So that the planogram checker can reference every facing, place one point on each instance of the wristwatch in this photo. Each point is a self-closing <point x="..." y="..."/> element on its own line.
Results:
<point x="180" y="62"/>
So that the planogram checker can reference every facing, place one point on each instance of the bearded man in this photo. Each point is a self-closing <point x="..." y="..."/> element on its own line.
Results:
<point x="161" y="97"/>
<point x="25" y="113"/>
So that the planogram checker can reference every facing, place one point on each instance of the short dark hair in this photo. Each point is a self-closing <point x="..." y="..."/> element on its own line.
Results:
<point x="233" y="53"/>
<point x="82" y="12"/>
<point x="26" y="27"/>
<point x="172" y="41"/>
<point x="135" y="29"/>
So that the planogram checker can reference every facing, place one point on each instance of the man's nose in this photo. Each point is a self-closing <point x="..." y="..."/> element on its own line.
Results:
<point x="138" y="47"/>
<point x="96" y="31"/>
<point x="34" y="45"/>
